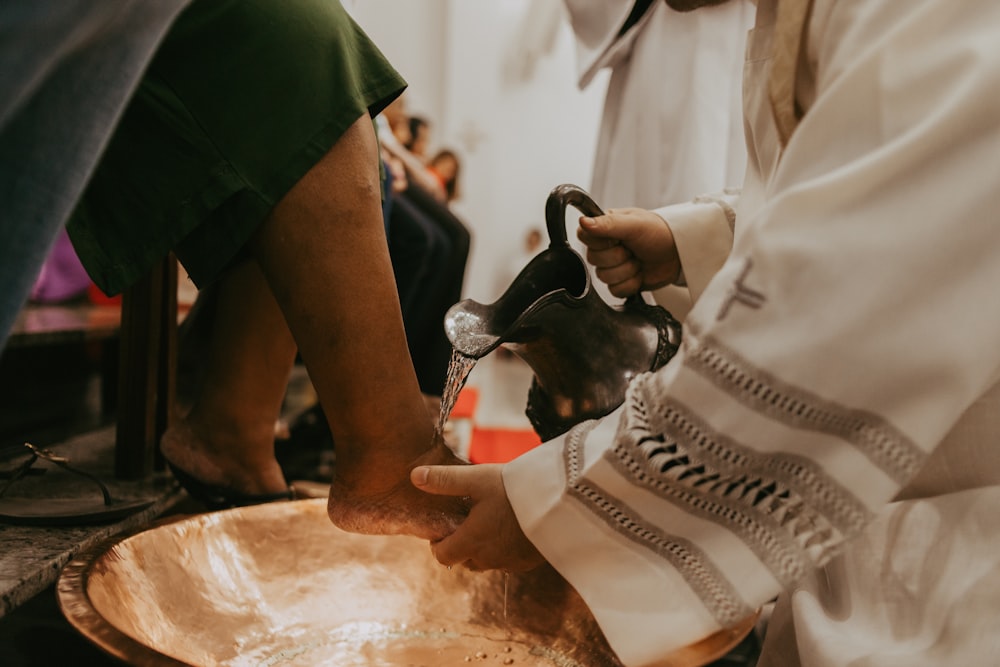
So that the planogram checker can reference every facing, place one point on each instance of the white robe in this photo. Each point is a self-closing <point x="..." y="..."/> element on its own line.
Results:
<point x="828" y="431"/>
<point x="671" y="127"/>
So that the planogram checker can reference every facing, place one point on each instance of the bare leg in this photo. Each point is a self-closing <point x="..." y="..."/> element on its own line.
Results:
<point x="227" y="438"/>
<point x="323" y="252"/>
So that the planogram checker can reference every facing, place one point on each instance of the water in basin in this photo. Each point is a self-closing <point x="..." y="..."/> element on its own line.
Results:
<point x="278" y="584"/>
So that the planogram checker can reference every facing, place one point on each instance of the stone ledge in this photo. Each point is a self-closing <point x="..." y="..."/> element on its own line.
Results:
<point x="31" y="557"/>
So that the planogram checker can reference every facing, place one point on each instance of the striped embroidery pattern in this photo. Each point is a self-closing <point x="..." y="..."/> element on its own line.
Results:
<point x="886" y="447"/>
<point x="711" y="586"/>
<point x="782" y="507"/>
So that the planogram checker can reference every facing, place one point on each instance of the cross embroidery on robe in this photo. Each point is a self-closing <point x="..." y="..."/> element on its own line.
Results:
<point x="740" y="293"/>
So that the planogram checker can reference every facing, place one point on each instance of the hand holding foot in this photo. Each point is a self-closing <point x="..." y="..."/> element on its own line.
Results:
<point x="384" y="503"/>
<point x="490" y="538"/>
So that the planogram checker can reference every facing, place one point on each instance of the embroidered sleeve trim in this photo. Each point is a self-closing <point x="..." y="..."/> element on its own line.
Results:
<point x="878" y="440"/>
<point x="782" y="507"/>
<point x="698" y="571"/>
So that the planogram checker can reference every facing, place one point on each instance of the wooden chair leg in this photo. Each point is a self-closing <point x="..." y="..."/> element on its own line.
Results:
<point x="167" y="375"/>
<point x="146" y="370"/>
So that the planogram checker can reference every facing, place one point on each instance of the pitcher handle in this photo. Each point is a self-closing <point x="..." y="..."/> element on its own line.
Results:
<point x="555" y="218"/>
<point x="555" y="210"/>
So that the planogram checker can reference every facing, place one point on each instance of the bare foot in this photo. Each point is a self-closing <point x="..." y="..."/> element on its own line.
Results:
<point x="211" y="461"/>
<point x="398" y="508"/>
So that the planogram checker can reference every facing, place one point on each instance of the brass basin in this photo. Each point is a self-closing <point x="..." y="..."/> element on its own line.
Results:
<point x="278" y="585"/>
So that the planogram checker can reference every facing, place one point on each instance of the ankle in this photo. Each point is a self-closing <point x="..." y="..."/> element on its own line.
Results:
<point x="217" y="459"/>
<point x="223" y="438"/>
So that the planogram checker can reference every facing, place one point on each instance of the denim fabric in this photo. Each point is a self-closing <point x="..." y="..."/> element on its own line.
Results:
<point x="67" y="68"/>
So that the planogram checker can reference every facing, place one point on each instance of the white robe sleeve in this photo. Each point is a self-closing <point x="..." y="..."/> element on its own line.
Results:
<point x="703" y="234"/>
<point x="854" y="321"/>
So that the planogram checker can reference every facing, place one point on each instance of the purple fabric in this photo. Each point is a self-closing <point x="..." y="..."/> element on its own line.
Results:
<point x="62" y="276"/>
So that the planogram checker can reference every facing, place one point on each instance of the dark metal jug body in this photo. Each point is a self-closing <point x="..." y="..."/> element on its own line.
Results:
<point x="584" y="352"/>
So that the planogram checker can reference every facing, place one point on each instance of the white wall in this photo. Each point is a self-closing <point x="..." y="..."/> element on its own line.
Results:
<point x="411" y="34"/>
<point x="518" y="138"/>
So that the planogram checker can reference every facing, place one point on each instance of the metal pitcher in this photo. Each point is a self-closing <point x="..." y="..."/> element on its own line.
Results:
<point x="584" y="352"/>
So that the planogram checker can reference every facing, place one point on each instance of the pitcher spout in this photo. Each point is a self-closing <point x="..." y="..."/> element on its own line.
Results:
<point x="556" y="275"/>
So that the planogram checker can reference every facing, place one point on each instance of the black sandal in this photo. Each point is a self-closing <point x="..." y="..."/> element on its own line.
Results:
<point x="219" y="497"/>
<point x="61" y="511"/>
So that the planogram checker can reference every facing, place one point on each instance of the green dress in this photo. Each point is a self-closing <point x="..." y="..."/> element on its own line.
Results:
<point x="241" y="100"/>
